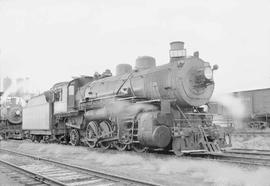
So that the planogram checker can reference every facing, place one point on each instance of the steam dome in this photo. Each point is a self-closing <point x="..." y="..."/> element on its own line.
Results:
<point x="145" y="62"/>
<point x="123" y="69"/>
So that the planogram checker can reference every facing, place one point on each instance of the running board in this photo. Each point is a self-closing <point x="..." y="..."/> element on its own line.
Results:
<point x="211" y="146"/>
<point x="193" y="151"/>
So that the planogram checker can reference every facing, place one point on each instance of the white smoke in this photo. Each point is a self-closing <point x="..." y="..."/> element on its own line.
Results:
<point x="20" y="90"/>
<point x="12" y="89"/>
<point x="234" y="106"/>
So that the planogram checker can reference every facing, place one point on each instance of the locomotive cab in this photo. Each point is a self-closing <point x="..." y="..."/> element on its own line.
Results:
<point x="60" y="97"/>
<point x="74" y="89"/>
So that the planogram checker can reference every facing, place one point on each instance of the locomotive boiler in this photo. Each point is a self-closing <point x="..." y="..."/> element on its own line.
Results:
<point x="11" y="118"/>
<point x="147" y="106"/>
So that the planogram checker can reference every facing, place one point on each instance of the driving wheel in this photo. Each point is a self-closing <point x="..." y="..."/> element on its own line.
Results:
<point x="91" y="134"/>
<point x="105" y="132"/>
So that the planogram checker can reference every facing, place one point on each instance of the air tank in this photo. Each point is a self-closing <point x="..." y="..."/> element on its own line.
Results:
<point x="145" y="62"/>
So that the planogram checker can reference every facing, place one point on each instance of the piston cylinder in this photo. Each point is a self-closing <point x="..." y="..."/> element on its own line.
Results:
<point x="97" y="114"/>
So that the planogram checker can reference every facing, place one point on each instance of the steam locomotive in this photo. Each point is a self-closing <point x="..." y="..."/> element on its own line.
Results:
<point x="150" y="106"/>
<point x="11" y="118"/>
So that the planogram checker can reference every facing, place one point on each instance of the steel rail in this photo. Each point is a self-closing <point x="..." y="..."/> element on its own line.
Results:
<point x="97" y="173"/>
<point x="203" y="156"/>
<point x="254" y="152"/>
<point x="248" y="150"/>
<point x="36" y="176"/>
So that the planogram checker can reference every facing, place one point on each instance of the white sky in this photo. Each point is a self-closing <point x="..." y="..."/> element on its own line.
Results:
<point x="52" y="40"/>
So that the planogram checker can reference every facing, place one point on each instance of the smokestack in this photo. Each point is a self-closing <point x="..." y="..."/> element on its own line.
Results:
<point x="177" y="50"/>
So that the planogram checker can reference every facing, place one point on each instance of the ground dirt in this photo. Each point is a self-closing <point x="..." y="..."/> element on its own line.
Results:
<point x="164" y="170"/>
<point x="252" y="142"/>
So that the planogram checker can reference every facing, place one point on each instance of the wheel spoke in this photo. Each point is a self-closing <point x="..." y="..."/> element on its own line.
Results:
<point x="137" y="147"/>
<point x="120" y="146"/>
<point x="105" y="144"/>
<point x="91" y="144"/>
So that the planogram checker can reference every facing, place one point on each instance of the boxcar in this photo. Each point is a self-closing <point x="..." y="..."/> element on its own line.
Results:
<point x="257" y="106"/>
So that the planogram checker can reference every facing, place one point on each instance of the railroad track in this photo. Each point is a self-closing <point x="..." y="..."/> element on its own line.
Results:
<point x="20" y="177"/>
<point x="247" y="157"/>
<point x="250" y="150"/>
<point x="252" y="157"/>
<point x="50" y="172"/>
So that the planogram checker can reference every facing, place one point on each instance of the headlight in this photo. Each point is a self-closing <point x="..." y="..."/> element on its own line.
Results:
<point x="208" y="73"/>
<point x="18" y="112"/>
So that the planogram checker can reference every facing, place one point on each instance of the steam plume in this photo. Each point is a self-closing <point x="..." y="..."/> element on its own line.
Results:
<point x="234" y="106"/>
<point x="12" y="89"/>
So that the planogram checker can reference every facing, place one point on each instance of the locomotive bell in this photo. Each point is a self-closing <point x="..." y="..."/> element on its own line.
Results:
<point x="177" y="50"/>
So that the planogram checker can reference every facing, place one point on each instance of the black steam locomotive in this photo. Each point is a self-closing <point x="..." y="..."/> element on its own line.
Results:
<point x="11" y="118"/>
<point x="149" y="106"/>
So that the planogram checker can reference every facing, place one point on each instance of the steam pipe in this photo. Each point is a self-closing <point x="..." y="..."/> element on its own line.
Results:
<point x="98" y="114"/>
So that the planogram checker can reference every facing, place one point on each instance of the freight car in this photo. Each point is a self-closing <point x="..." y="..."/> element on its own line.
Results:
<point x="11" y="118"/>
<point x="146" y="107"/>
<point x="257" y="107"/>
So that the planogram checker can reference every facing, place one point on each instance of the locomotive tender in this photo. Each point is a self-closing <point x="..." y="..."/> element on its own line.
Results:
<point x="146" y="107"/>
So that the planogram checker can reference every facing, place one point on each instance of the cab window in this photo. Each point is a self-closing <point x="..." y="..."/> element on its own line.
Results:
<point x="58" y="95"/>
<point x="71" y="90"/>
